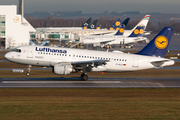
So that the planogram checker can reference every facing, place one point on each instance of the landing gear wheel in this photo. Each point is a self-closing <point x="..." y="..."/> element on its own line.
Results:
<point x="84" y="77"/>
<point x="28" y="74"/>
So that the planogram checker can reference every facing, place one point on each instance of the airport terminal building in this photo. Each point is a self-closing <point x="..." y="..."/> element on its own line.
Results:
<point x="14" y="28"/>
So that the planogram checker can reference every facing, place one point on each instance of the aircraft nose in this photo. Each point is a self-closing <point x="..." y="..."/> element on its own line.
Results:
<point x="7" y="56"/>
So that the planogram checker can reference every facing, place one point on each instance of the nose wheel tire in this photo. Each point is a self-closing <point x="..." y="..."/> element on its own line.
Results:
<point x="28" y="74"/>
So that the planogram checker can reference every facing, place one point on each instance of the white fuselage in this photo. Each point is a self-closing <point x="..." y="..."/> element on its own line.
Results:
<point x="117" y="62"/>
<point x="110" y="39"/>
<point x="81" y="31"/>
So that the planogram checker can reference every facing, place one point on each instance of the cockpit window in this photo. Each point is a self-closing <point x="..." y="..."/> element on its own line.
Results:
<point x="17" y="50"/>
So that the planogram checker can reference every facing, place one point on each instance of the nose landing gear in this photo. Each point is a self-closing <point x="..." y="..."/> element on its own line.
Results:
<point x="29" y="69"/>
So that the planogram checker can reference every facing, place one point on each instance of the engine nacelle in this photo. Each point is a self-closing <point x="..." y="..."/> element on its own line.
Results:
<point x="62" y="68"/>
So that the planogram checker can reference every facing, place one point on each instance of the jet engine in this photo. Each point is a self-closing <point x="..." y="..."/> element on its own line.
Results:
<point x="62" y="68"/>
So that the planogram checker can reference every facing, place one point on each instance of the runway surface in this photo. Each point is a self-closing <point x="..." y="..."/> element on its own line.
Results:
<point x="91" y="83"/>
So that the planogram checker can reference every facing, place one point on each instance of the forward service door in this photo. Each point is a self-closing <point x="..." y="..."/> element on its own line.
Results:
<point x="30" y="52"/>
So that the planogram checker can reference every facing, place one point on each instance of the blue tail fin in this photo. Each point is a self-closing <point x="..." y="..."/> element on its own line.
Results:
<point x="138" y="32"/>
<point x="87" y="22"/>
<point x="159" y="44"/>
<point x="125" y="22"/>
<point x="93" y="25"/>
<point x="116" y="25"/>
<point x="121" y="30"/>
<point x="141" y="31"/>
<point x="98" y="27"/>
<point x="85" y="26"/>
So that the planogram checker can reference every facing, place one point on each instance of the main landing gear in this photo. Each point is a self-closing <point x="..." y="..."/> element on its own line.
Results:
<point x="84" y="77"/>
<point x="29" y="69"/>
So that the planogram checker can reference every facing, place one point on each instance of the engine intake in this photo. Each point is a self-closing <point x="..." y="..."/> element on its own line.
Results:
<point x="62" y="68"/>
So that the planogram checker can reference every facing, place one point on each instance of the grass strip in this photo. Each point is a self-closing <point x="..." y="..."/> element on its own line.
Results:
<point x="133" y="103"/>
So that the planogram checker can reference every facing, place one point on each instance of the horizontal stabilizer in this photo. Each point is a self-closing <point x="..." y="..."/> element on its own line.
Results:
<point x="158" y="63"/>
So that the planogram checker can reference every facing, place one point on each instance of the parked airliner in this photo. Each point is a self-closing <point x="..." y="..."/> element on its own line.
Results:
<point x="81" y="31"/>
<point x="64" y="60"/>
<point x="118" y="38"/>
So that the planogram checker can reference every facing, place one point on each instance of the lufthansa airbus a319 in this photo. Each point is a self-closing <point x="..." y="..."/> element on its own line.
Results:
<point x="64" y="60"/>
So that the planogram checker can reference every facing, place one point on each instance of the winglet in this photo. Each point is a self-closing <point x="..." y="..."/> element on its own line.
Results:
<point x="159" y="44"/>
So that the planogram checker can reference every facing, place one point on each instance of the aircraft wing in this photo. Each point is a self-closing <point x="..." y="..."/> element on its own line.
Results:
<point x="80" y="63"/>
<point x="147" y="32"/>
<point x="104" y="33"/>
<point x="88" y="65"/>
<point x="106" y="41"/>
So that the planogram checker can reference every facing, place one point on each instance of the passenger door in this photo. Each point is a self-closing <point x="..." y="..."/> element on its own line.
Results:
<point x="30" y="52"/>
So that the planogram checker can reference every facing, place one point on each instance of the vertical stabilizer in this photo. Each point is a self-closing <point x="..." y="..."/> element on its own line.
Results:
<point x="87" y="22"/>
<point x="159" y="44"/>
<point x="138" y="32"/>
<point x="143" y="22"/>
<point x="121" y="30"/>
